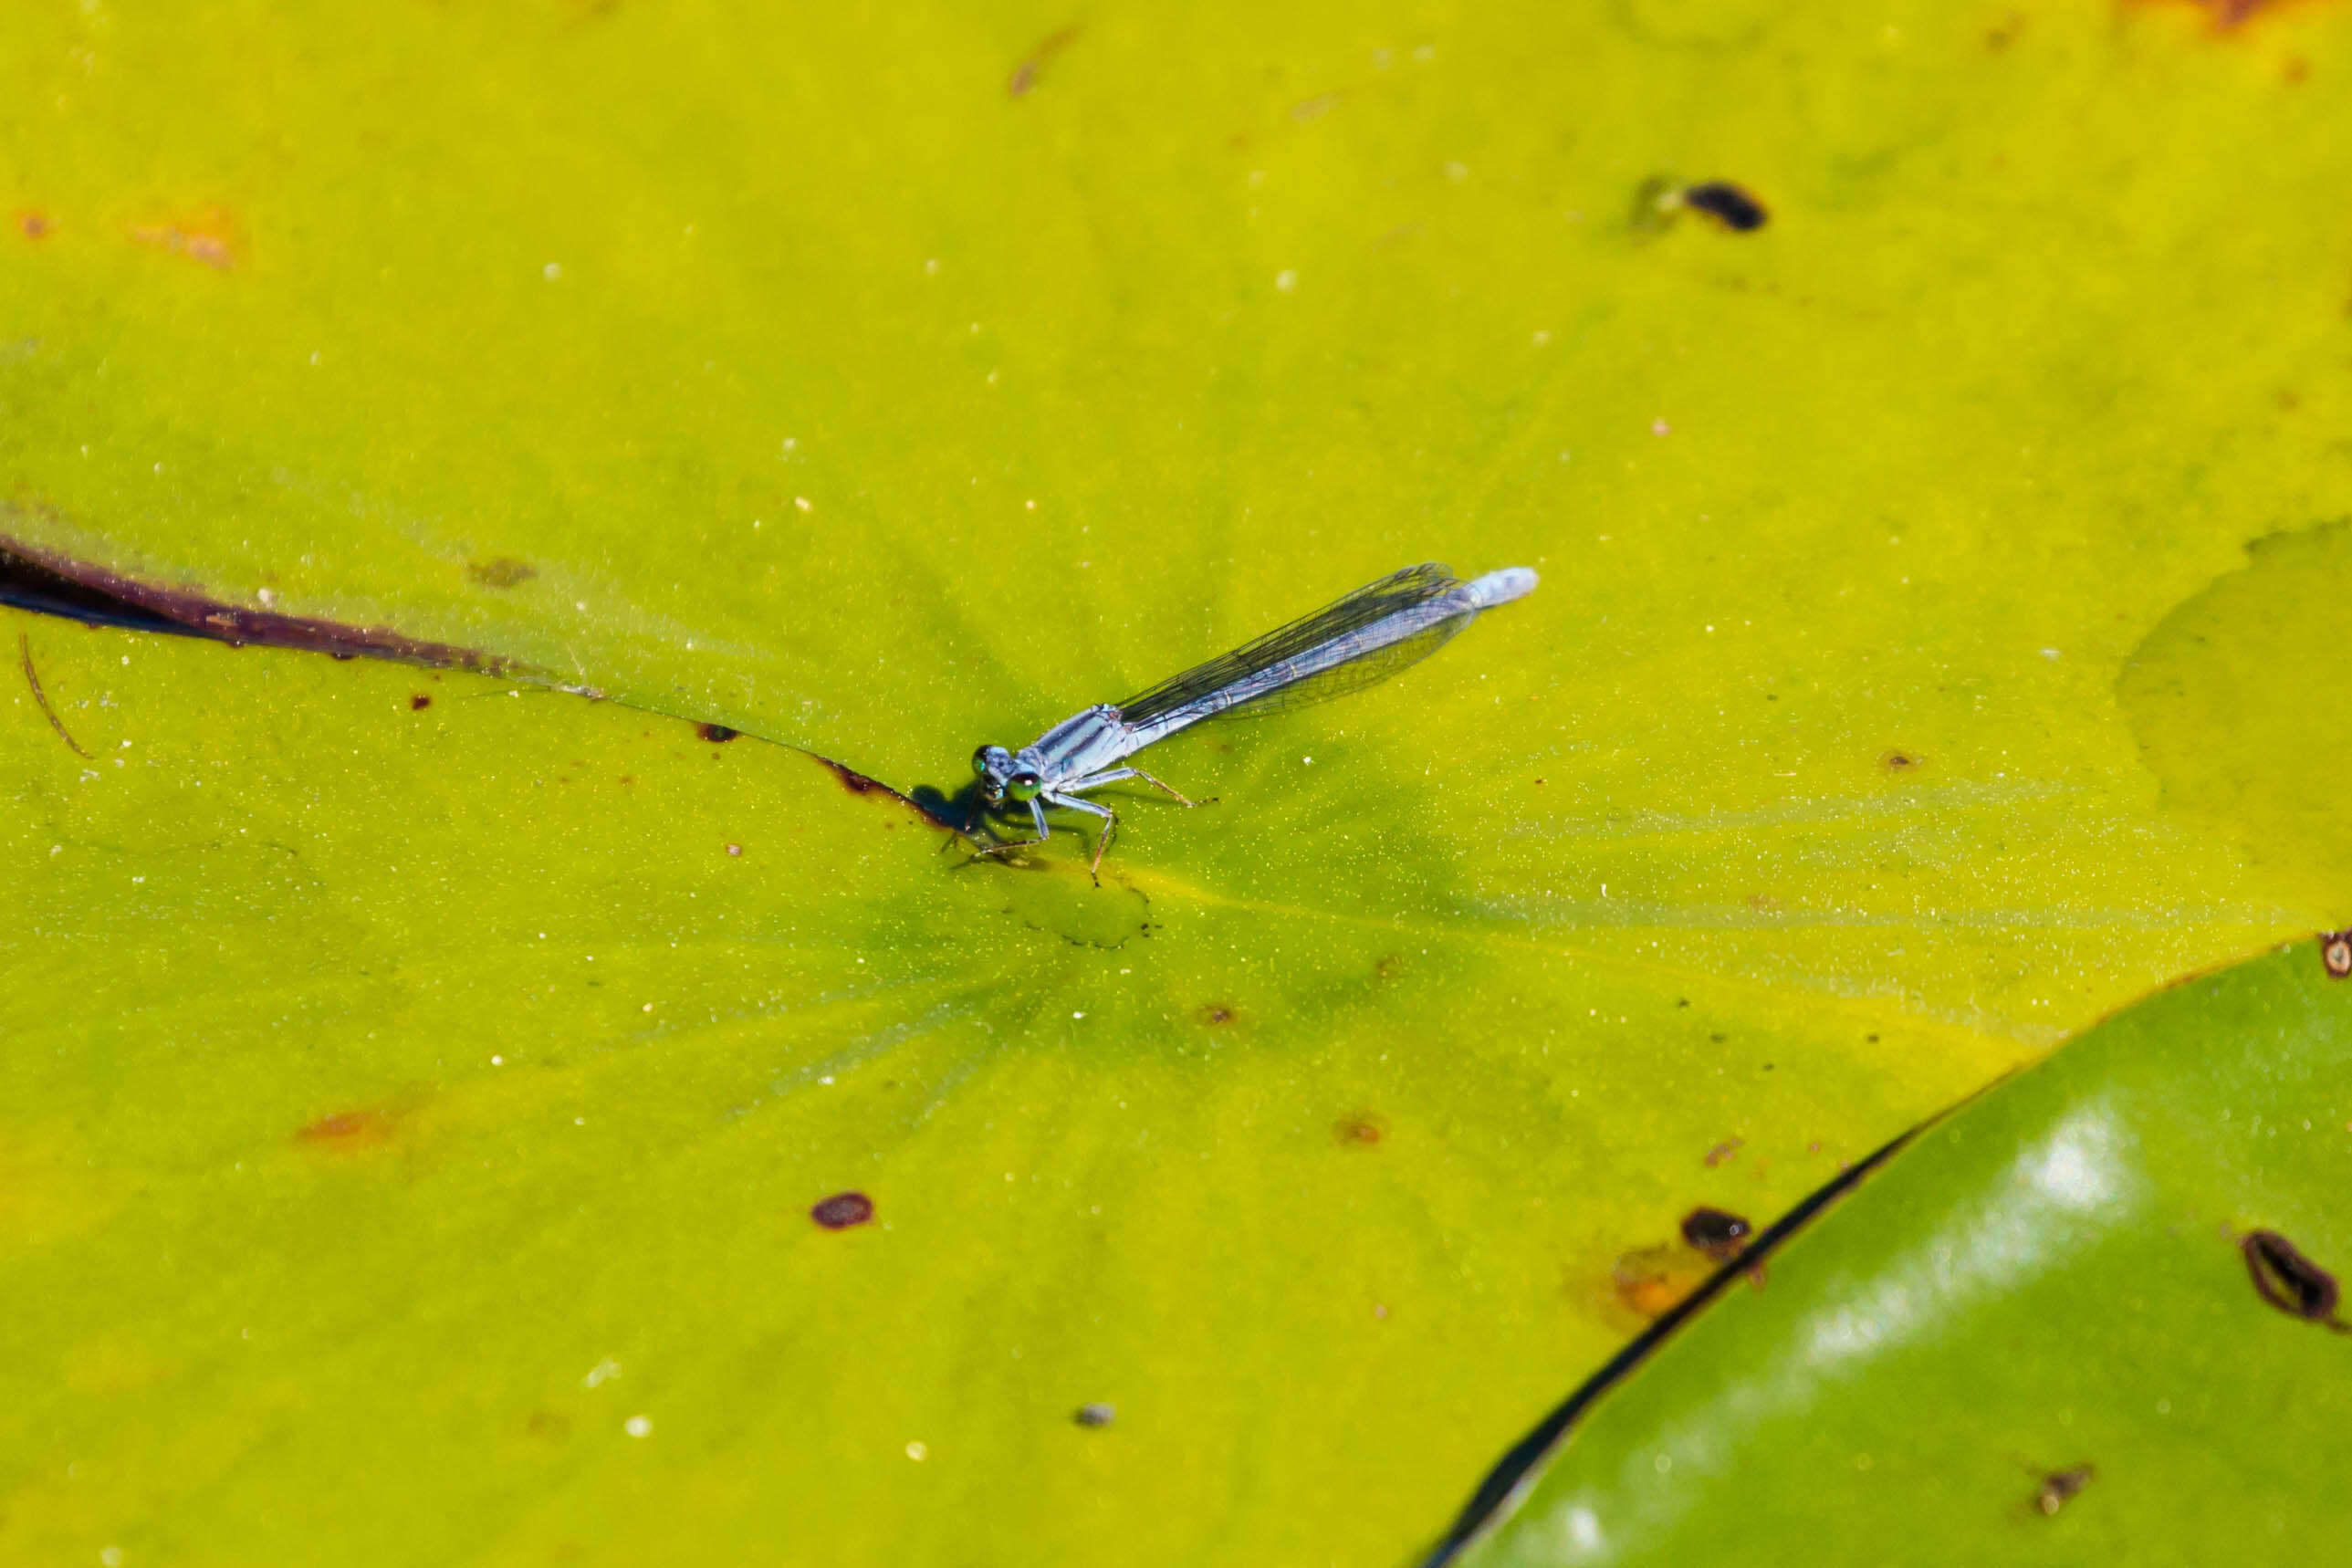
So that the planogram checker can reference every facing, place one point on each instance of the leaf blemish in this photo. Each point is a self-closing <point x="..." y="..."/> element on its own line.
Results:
<point x="2288" y="1280"/>
<point x="2060" y="1486"/>
<point x="1651" y="1280"/>
<point x="1025" y="75"/>
<point x="841" y="1210"/>
<point x="2335" y="953"/>
<point x="1902" y="762"/>
<point x="1722" y="1150"/>
<point x="208" y="239"/>
<point x="1216" y="1013"/>
<point x="1360" y="1130"/>
<point x="501" y="572"/>
<point x="33" y="224"/>
<point x="419" y="703"/>
<point x="347" y="1130"/>
<point x="717" y="734"/>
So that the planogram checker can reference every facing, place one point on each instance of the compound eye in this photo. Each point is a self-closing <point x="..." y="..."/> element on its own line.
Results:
<point x="1025" y="786"/>
<point x="980" y="761"/>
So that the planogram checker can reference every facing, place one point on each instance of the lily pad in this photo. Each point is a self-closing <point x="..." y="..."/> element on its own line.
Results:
<point x="2092" y="1317"/>
<point x="878" y="387"/>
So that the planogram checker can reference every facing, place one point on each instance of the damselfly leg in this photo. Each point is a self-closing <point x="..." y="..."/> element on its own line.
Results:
<point x="1115" y="775"/>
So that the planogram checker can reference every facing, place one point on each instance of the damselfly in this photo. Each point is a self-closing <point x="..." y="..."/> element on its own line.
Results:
<point x="1358" y="641"/>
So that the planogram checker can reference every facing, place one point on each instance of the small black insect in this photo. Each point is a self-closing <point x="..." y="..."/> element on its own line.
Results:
<point x="1722" y="200"/>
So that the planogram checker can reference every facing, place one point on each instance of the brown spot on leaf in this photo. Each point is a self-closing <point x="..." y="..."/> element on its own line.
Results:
<point x="1651" y="1279"/>
<point x="1719" y="1233"/>
<point x="2060" y="1487"/>
<point x="1216" y="1013"/>
<point x="736" y="850"/>
<point x="841" y="1210"/>
<point x="419" y="703"/>
<point x="209" y="238"/>
<point x="2288" y="1280"/>
<point x="1902" y="762"/>
<point x="717" y="734"/>
<point x="856" y="782"/>
<point x="503" y="572"/>
<point x="1025" y="75"/>
<point x="1388" y="966"/>
<point x="853" y="781"/>
<point x="2335" y="953"/>
<point x="1722" y="1150"/>
<point x="1094" y="1413"/>
<point x="34" y="225"/>
<point x="1360" y="1130"/>
<point x="347" y="1130"/>
<point x="2229" y="15"/>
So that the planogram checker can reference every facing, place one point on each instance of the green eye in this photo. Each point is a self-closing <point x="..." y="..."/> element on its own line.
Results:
<point x="1023" y="787"/>
<point x="980" y="762"/>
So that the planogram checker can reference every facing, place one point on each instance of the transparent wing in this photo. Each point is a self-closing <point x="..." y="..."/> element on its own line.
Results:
<point x="1348" y="627"/>
<point x="1364" y="669"/>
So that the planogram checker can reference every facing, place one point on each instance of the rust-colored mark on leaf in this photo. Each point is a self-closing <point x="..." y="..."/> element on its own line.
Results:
<point x="1388" y="966"/>
<point x="34" y="225"/>
<point x="2229" y="15"/>
<point x="2288" y="1280"/>
<point x="1216" y="1013"/>
<point x="1722" y="1150"/>
<point x="501" y="572"/>
<point x="856" y="782"/>
<point x="1651" y="1280"/>
<point x="1719" y="1233"/>
<point x="2060" y="1487"/>
<point x="2335" y="953"/>
<point x="1360" y="1130"/>
<point x="419" y="703"/>
<point x="347" y="1130"/>
<point x="1902" y="762"/>
<point x="841" y="1210"/>
<point x="25" y="648"/>
<point x="1025" y="75"/>
<point x="209" y="237"/>
<point x="35" y="579"/>
<point x="1727" y="204"/>
<point x="717" y="734"/>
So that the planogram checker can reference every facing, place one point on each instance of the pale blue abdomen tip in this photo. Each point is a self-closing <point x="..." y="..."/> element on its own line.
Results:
<point x="1501" y="587"/>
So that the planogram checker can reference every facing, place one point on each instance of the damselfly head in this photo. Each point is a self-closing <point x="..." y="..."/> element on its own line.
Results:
<point x="994" y="766"/>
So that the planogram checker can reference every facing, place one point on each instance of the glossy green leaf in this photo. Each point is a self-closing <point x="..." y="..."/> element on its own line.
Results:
<point x="793" y="372"/>
<point x="2034" y="1337"/>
